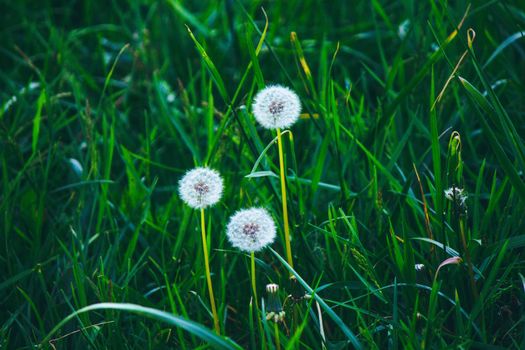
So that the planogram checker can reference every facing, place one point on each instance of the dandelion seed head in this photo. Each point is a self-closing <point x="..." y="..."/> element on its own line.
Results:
<point x="276" y="106"/>
<point x="201" y="187"/>
<point x="251" y="229"/>
<point x="456" y="194"/>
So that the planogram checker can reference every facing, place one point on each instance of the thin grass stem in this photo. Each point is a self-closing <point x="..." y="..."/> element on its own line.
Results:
<point x="469" y="261"/>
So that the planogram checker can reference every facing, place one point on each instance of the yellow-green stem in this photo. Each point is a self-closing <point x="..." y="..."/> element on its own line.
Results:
<point x="257" y="312"/>
<point x="254" y="284"/>
<point x="208" y="275"/>
<point x="283" y="196"/>
<point x="277" y="340"/>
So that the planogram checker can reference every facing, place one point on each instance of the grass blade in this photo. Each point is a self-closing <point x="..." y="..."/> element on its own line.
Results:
<point x="349" y="334"/>
<point x="198" y="330"/>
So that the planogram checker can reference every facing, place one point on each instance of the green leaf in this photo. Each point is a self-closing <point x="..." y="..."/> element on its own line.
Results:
<point x="37" y="119"/>
<point x="211" y="68"/>
<point x="496" y="146"/>
<point x="503" y="45"/>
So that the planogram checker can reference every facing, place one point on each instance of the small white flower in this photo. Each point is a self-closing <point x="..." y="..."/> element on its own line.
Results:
<point x="76" y="166"/>
<point x="419" y="267"/>
<point x="456" y="194"/>
<point x="251" y="229"/>
<point x="201" y="187"/>
<point x="33" y="85"/>
<point x="276" y="107"/>
<point x="9" y="103"/>
<point x="403" y="29"/>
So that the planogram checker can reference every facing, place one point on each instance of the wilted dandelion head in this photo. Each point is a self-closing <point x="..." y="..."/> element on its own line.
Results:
<point x="274" y="308"/>
<point x="251" y="229"/>
<point x="276" y="107"/>
<point x="456" y="194"/>
<point x="201" y="187"/>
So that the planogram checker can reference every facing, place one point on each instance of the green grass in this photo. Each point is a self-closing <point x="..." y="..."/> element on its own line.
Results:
<point x="105" y="105"/>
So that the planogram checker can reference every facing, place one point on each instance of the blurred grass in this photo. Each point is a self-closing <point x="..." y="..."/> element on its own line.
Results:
<point x="104" y="106"/>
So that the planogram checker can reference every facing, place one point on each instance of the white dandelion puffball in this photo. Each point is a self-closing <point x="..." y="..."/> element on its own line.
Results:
<point x="251" y="229"/>
<point x="201" y="187"/>
<point x="276" y="107"/>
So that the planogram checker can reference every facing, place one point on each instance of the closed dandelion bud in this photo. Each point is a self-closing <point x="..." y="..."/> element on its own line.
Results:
<point x="274" y="308"/>
<point x="201" y="187"/>
<point x="276" y="107"/>
<point x="251" y="230"/>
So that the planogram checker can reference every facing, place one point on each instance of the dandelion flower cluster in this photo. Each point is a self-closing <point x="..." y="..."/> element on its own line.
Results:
<point x="251" y="229"/>
<point x="201" y="187"/>
<point x="276" y="106"/>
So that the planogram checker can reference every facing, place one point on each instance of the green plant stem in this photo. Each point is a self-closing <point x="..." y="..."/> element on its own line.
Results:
<point x="283" y="199"/>
<point x="254" y="283"/>
<point x="277" y="340"/>
<point x="254" y="288"/>
<point x="208" y="275"/>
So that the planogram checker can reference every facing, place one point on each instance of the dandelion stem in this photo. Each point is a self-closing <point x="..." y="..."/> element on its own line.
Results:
<point x="277" y="340"/>
<point x="254" y="284"/>
<point x="257" y="311"/>
<point x="208" y="275"/>
<point x="283" y="196"/>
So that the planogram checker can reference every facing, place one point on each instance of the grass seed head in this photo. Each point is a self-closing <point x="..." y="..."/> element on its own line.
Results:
<point x="251" y="230"/>
<point x="201" y="187"/>
<point x="276" y="107"/>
